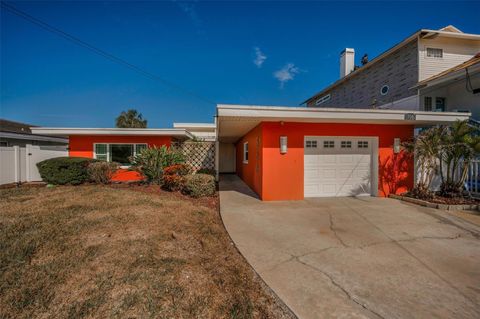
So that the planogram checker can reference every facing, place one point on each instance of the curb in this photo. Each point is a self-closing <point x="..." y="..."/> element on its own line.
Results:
<point x="435" y="205"/>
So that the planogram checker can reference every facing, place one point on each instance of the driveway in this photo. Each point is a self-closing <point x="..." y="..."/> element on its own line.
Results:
<point x="357" y="257"/>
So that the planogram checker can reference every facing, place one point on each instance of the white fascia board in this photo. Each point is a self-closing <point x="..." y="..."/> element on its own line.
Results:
<point x="111" y="131"/>
<point x="469" y="36"/>
<point x="272" y="113"/>
<point x="194" y="125"/>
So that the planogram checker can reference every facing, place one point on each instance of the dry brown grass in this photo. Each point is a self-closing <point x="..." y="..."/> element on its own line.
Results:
<point x="102" y="252"/>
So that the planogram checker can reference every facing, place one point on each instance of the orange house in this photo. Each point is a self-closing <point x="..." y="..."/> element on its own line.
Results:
<point x="287" y="153"/>
<point x="116" y="144"/>
<point x="284" y="153"/>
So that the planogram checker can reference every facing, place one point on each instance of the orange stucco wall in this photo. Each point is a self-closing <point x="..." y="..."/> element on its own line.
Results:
<point x="251" y="172"/>
<point x="281" y="176"/>
<point x="82" y="146"/>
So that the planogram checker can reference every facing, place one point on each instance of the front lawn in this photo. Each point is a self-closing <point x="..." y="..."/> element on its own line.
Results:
<point x="103" y="252"/>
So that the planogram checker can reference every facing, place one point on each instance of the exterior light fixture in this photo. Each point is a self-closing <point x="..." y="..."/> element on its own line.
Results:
<point x="396" y="145"/>
<point x="283" y="145"/>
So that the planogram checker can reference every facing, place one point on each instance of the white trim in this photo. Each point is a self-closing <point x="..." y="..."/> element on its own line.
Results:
<point x="108" y="150"/>
<point x="339" y="115"/>
<point x="194" y="125"/>
<point x="112" y="131"/>
<point x="246" y="153"/>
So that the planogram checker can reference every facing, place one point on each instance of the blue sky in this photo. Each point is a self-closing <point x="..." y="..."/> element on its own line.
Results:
<point x="266" y="53"/>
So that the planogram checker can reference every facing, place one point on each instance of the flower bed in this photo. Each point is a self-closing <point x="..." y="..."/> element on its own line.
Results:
<point x="442" y="202"/>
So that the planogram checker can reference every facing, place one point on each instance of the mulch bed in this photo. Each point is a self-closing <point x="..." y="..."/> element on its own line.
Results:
<point x="449" y="201"/>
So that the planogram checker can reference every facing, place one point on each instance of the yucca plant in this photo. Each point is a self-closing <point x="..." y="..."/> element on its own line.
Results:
<point x="151" y="162"/>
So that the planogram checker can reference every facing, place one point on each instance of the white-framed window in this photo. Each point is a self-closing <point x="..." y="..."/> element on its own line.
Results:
<point x="117" y="152"/>
<point x="346" y="144"/>
<point x="311" y="144"/>
<point x="245" y="152"/>
<point x="435" y="53"/>
<point x="362" y="144"/>
<point x="328" y="144"/>
<point x="323" y="99"/>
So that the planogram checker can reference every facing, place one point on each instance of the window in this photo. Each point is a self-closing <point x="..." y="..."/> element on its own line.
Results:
<point x="384" y="90"/>
<point x="434" y="53"/>
<point x="101" y="152"/>
<point x="427" y="103"/>
<point x="119" y="153"/>
<point x="440" y="104"/>
<point x="245" y="152"/>
<point x="362" y="144"/>
<point x="328" y="144"/>
<point x="346" y="144"/>
<point x="323" y="99"/>
<point x="311" y="144"/>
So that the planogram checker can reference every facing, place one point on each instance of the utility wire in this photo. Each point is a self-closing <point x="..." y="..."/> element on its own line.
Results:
<point x="98" y="51"/>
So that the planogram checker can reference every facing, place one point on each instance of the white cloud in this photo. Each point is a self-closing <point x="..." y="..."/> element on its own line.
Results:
<point x="189" y="8"/>
<point x="260" y="57"/>
<point x="286" y="73"/>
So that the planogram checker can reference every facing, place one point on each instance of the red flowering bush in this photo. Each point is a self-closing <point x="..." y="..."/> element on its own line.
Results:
<point x="174" y="177"/>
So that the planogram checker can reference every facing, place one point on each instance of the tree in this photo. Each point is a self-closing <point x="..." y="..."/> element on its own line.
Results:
<point x="130" y="119"/>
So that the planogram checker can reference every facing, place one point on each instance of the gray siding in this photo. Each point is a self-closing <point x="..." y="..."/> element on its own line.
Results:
<point x="399" y="71"/>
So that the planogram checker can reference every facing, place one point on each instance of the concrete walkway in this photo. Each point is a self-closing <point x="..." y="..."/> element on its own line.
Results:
<point x="357" y="257"/>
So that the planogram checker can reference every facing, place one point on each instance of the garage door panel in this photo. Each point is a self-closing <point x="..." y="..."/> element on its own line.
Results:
<point x="336" y="171"/>
<point x="329" y="173"/>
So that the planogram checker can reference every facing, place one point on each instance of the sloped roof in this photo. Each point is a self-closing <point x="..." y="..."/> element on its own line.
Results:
<point x="448" y="31"/>
<point x="15" y="127"/>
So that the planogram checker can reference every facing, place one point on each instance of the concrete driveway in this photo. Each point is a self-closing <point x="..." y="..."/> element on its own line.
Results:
<point x="357" y="257"/>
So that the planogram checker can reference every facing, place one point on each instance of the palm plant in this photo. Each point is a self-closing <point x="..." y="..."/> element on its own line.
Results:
<point x="460" y="145"/>
<point x="426" y="148"/>
<point x="130" y="119"/>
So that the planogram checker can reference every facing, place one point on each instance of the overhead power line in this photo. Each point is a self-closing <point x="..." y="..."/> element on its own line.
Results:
<point x="98" y="51"/>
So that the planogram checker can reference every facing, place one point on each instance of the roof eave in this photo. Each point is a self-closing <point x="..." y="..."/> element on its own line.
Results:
<point x="175" y="132"/>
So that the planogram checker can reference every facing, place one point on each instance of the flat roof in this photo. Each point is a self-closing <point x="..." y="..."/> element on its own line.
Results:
<point x="66" y="131"/>
<point x="196" y="126"/>
<point x="234" y="121"/>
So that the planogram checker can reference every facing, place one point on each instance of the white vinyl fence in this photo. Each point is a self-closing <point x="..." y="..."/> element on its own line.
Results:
<point x="473" y="177"/>
<point x="19" y="164"/>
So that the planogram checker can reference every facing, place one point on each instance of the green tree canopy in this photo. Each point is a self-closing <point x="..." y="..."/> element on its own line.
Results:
<point x="130" y="119"/>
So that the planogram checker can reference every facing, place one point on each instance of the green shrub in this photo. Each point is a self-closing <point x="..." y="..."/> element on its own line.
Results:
<point x="199" y="185"/>
<point x="101" y="172"/>
<point x="151" y="162"/>
<point x="174" y="177"/>
<point x="65" y="170"/>
<point x="208" y="171"/>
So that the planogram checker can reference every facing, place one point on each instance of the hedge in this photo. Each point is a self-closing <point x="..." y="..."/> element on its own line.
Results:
<point x="65" y="170"/>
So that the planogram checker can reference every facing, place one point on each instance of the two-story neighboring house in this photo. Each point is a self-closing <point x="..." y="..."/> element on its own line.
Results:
<point x="391" y="79"/>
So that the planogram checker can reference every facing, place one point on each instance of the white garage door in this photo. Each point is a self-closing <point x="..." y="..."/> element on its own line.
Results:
<point x="338" y="166"/>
